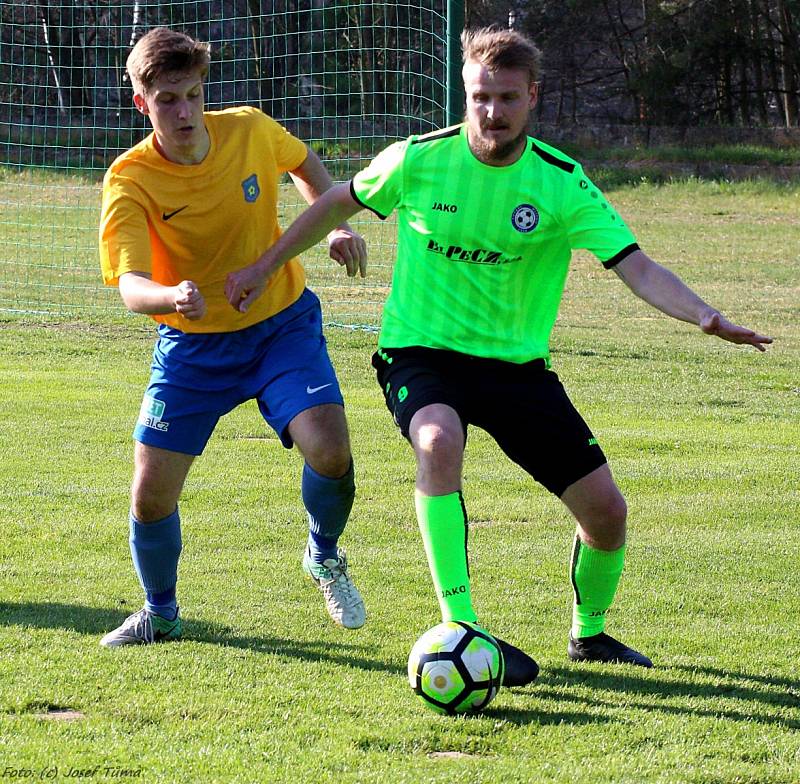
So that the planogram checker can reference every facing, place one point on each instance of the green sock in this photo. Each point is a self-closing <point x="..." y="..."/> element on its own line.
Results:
<point x="443" y="525"/>
<point x="595" y="576"/>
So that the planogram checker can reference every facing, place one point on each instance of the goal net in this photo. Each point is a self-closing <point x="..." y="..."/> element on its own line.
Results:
<point x="345" y="77"/>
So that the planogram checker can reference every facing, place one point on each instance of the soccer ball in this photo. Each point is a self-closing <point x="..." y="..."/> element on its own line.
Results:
<point x="456" y="667"/>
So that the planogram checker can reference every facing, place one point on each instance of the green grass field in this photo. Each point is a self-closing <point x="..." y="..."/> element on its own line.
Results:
<point x="703" y="437"/>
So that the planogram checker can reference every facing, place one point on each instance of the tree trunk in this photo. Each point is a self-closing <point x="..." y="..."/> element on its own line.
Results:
<point x="757" y="62"/>
<point x="773" y="66"/>
<point x="789" y="76"/>
<point x="256" y="39"/>
<point x="374" y="89"/>
<point x="51" y="33"/>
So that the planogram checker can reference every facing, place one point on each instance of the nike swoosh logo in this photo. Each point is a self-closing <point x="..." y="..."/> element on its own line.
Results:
<point x="160" y="635"/>
<point x="167" y="215"/>
<point x="312" y="390"/>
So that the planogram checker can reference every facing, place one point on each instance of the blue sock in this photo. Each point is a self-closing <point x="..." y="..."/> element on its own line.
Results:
<point x="155" y="548"/>
<point x="328" y="503"/>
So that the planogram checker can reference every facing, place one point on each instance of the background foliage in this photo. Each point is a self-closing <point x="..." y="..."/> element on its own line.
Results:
<point x="662" y="62"/>
<point x="646" y="62"/>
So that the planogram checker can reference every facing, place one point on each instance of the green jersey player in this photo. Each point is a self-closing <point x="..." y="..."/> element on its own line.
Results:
<point x="487" y="220"/>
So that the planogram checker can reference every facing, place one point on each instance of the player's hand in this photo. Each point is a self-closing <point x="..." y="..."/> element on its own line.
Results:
<point x="714" y="323"/>
<point x="349" y="249"/>
<point x="188" y="301"/>
<point x="244" y="287"/>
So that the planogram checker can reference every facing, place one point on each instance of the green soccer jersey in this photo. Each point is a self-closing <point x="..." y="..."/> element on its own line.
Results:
<point x="483" y="251"/>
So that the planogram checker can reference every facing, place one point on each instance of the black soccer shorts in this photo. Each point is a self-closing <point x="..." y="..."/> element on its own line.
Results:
<point x="524" y="407"/>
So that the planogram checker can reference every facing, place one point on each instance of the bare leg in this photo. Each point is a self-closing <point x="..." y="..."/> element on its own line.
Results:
<point x="599" y="508"/>
<point x="158" y="479"/>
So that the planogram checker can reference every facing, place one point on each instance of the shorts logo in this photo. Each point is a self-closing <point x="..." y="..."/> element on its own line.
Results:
<point x="151" y="413"/>
<point x="525" y="218"/>
<point x="250" y="188"/>
<point x="312" y="390"/>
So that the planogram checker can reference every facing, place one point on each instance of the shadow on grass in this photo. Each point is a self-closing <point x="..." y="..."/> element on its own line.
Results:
<point x="654" y="693"/>
<point x="771" y="693"/>
<point x="541" y="716"/>
<point x="96" y="621"/>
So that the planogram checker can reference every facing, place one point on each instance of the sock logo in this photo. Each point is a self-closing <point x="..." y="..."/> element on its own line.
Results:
<point x="453" y="591"/>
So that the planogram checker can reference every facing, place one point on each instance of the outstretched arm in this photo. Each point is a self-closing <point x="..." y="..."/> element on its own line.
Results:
<point x="331" y="209"/>
<point x="665" y="291"/>
<point x="345" y="246"/>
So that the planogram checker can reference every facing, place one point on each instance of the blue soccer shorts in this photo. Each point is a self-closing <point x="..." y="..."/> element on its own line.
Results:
<point x="196" y="378"/>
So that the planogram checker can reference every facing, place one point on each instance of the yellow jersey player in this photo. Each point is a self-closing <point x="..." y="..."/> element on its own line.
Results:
<point x="192" y="202"/>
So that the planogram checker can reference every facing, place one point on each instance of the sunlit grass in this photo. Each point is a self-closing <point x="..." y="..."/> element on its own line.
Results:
<point x="703" y="437"/>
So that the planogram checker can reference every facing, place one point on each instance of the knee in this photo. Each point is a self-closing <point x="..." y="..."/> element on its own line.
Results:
<point x="158" y="478"/>
<point x="141" y="501"/>
<point x="606" y="529"/>
<point x="149" y="509"/>
<point x="321" y="435"/>
<point x="438" y="446"/>
<point x="331" y="461"/>
<point x="328" y="453"/>
<point x="615" y="511"/>
<point x="149" y="501"/>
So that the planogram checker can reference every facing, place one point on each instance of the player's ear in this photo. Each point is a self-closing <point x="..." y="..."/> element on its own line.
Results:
<point x="533" y="94"/>
<point x="140" y="103"/>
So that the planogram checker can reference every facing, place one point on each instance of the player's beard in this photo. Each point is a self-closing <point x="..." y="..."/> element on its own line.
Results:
<point x="491" y="152"/>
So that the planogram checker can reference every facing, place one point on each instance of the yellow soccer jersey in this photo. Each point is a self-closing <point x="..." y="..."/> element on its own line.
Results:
<point x="202" y="221"/>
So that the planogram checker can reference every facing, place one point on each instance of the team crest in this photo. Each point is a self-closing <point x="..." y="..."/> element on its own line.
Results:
<point x="250" y="188"/>
<point x="525" y="218"/>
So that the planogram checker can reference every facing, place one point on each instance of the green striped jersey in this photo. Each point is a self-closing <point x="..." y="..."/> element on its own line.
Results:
<point x="483" y="251"/>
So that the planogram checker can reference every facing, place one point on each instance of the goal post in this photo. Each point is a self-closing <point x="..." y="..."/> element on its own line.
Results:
<point x="347" y="77"/>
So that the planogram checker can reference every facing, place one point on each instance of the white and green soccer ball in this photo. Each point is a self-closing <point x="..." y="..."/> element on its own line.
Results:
<point x="456" y="667"/>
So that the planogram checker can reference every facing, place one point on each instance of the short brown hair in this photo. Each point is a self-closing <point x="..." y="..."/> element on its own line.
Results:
<point x="496" y="48"/>
<point x="162" y="51"/>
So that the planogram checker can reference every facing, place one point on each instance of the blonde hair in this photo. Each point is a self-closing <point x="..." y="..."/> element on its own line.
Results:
<point x="496" y="48"/>
<point x="162" y="51"/>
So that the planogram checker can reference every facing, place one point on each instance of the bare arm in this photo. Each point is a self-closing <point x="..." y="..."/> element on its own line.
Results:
<point x="311" y="178"/>
<point x="331" y="209"/>
<point x="141" y="294"/>
<point x="665" y="291"/>
<point x="345" y="246"/>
